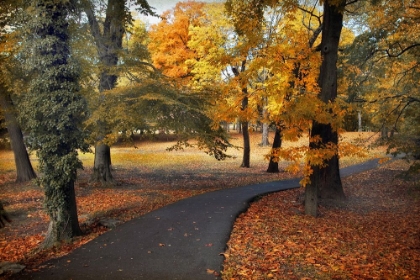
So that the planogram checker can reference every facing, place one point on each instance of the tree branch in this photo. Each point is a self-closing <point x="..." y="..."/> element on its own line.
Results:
<point x="402" y="51"/>
<point x="94" y="25"/>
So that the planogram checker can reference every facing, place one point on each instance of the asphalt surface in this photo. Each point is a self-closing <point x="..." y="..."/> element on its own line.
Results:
<point x="180" y="241"/>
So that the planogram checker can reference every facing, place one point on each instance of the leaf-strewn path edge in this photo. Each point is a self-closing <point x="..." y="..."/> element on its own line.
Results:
<point x="375" y="234"/>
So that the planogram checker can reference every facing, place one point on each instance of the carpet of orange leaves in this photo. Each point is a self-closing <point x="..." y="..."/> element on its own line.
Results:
<point x="375" y="234"/>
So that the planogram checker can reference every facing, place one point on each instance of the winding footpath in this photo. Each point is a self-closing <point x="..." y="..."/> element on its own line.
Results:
<point x="180" y="241"/>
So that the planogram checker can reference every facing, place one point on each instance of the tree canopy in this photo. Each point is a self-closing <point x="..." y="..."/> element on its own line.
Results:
<point x="89" y="73"/>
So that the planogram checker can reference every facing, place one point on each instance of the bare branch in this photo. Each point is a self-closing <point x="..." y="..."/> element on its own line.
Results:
<point x="402" y="51"/>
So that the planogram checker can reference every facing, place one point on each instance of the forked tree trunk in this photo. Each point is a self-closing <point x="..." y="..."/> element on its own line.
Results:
<point x="327" y="179"/>
<point x="273" y="165"/>
<point x="64" y="224"/>
<point x="24" y="169"/>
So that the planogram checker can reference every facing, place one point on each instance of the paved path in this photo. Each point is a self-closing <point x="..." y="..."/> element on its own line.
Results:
<point x="180" y="241"/>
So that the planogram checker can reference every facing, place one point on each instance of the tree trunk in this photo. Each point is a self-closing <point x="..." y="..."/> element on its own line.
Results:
<point x="311" y="200"/>
<point x="265" y="126"/>
<point x="4" y="217"/>
<point x="56" y="109"/>
<point x="245" y="133"/>
<point x="109" y="43"/>
<point x="327" y="179"/>
<point x="247" y="146"/>
<point x="24" y="169"/>
<point x="102" y="164"/>
<point x="244" y="119"/>
<point x="264" y="140"/>
<point x="273" y="165"/>
<point x="64" y="224"/>
<point x="384" y="132"/>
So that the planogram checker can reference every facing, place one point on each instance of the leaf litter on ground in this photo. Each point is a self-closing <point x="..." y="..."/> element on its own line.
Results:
<point x="374" y="234"/>
<point x="146" y="178"/>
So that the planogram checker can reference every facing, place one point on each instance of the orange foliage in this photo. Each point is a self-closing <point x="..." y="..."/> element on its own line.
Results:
<point x="169" y="40"/>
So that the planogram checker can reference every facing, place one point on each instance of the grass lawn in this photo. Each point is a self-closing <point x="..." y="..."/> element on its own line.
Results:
<point x="148" y="177"/>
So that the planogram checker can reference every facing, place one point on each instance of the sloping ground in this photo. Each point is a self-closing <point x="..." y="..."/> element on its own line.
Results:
<point x="375" y="234"/>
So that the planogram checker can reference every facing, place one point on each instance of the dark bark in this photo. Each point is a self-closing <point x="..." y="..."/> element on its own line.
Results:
<point x="4" y="217"/>
<point x="246" y="158"/>
<point x="326" y="180"/>
<point x="273" y="165"/>
<point x="24" y="169"/>
<point x="64" y="224"/>
<point x="244" y="122"/>
<point x="102" y="164"/>
<point x="108" y="43"/>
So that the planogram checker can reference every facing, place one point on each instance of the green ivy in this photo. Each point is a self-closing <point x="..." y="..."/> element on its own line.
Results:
<point x="54" y="108"/>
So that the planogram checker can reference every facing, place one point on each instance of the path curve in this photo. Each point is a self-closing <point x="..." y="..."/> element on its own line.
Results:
<point x="179" y="241"/>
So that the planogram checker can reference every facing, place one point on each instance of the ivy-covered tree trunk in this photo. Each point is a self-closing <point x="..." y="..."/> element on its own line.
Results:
<point x="24" y="169"/>
<point x="108" y="42"/>
<point x="326" y="181"/>
<point x="273" y="165"/>
<point x="64" y="223"/>
<point x="54" y="113"/>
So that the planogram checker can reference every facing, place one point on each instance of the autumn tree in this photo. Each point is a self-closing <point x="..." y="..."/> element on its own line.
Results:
<point x="108" y="35"/>
<point x="152" y="102"/>
<point x="9" y="77"/>
<point x="325" y="176"/>
<point x="384" y="65"/>
<point x="54" y="114"/>
<point x="307" y="98"/>
<point x="222" y="59"/>
<point x="282" y="45"/>
<point x="169" y="40"/>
